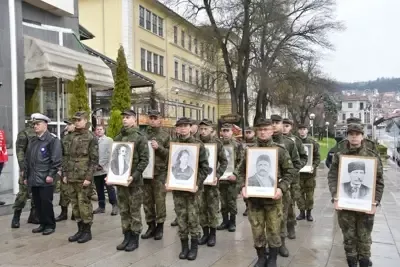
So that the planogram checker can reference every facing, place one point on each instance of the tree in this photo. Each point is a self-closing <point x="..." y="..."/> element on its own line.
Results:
<point x="78" y="93"/>
<point x="33" y="104"/>
<point x="121" y="98"/>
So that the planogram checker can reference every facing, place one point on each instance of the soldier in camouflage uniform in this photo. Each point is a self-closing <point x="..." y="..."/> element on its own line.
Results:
<point x="295" y="186"/>
<point x="332" y="152"/>
<point x="130" y="197"/>
<point x="154" y="192"/>
<point x="265" y="214"/>
<point x="23" y="138"/>
<point x="209" y="194"/>
<point x="228" y="188"/>
<point x="186" y="203"/>
<point x="249" y="140"/>
<point x="290" y="146"/>
<point x="80" y="159"/>
<point x="356" y="226"/>
<point x="368" y="142"/>
<point x="307" y="180"/>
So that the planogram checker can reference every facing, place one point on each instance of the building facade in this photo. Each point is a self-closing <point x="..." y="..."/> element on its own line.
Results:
<point x="355" y="106"/>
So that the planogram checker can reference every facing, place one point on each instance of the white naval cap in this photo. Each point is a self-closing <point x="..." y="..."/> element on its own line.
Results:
<point x="36" y="117"/>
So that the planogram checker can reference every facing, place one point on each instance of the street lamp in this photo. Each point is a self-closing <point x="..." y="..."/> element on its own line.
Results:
<point x="176" y="104"/>
<point x="334" y="127"/>
<point x="327" y="133"/>
<point x="312" y="117"/>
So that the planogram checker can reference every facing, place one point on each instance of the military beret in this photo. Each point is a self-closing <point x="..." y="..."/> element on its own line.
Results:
<point x="80" y="115"/>
<point x="38" y="117"/>
<point x="302" y="126"/>
<point x="226" y="126"/>
<point x="68" y="121"/>
<point x="248" y="129"/>
<point x="355" y="127"/>
<point x="263" y="122"/>
<point x="206" y="122"/>
<point x="183" y="121"/>
<point x="356" y="165"/>
<point x="353" y="120"/>
<point x="287" y="121"/>
<point x="154" y="113"/>
<point x="276" y="117"/>
<point x="263" y="158"/>
<point x="128" y="112"/>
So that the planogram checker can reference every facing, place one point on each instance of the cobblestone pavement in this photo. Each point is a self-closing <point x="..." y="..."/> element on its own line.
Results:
<point x="318" y="244"/>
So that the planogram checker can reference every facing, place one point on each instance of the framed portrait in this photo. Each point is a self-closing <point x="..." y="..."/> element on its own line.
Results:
<point x="309" y="151"/>
<point x="356" y="183"/>
<point x="261" y="172"/>
<point x="230" y="155"/>
<point x="182" y="167"/>
<point x="211" y="151"/>
<point x="120" y="163"/>
<point x="149" y="171"/>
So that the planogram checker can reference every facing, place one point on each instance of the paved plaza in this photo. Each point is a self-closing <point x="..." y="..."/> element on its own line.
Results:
<point x="318" y="244"/>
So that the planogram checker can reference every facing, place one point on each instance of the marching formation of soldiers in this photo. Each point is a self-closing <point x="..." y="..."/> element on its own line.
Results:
<point x="81" y="159"/>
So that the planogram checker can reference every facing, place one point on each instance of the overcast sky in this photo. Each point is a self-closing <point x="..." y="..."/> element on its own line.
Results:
<point x="369" y="47"/>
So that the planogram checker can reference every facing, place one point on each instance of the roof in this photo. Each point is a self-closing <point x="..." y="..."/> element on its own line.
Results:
<point x="136" y="79"/>
<point x="85" y="34"/>
<point x="353" y="98"/>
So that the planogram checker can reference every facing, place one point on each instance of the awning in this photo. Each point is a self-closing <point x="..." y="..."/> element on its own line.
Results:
<point x="43" y="59"/>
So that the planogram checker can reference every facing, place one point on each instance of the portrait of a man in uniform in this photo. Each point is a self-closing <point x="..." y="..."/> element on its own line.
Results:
<point x="181" y="169"/>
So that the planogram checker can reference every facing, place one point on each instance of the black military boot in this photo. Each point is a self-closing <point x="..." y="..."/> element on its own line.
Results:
<point x="174" y="222"/>
<point x="273" y="255"/>
<point x="127" y="237"/>
<point x="114" y="210"/>
<point x="283" y="251"/>
<point x="158" y="235"/>
<point x="212" y="238"/>
<point x="301" y="216"/>
<point x="78" y="234"/>
<point x="364" y="262"/>
<point x="63" y="215"/>
<point x="133" y="242"/>
<point x="206" y="233"/>
<point x="291" y="231"/>
<point x="86" y="233"/>
<point x="40" y="229"/>
<point x="262" y="257"/>
<point x="15" y="219"/>
<point x="232" y="224"/>
<point x="33" y="217"/>
<point x="150" y="231"/>
<point x="309" y="216"/>
<point x="225" y="222"/>
<point x="192" y="255"/>
<point x="185" y="249"/>
<point x="352" y="262"/>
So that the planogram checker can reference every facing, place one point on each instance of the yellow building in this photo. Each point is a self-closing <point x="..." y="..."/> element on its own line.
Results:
<point x="164" y="47"/>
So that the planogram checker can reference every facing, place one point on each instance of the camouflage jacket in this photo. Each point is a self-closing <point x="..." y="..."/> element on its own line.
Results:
<point x="222" y="161"/>
<point x="368" y="143"/>
<point x="290" y="146"/>
<point x="22" y="142"/>
<point x="316" y="156"/>
<point x="161" y="154"/>
<point x="250" y="142"/>
<point x="202" y="167"/>
<point x="140" y="158"/>
<point x="333" y="173"/>
<point x="286" y="171"/>
<point x="80" y="151"/>
<point x="300" y="148"/>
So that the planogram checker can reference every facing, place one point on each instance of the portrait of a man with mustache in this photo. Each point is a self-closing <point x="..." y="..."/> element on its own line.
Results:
<point x="355" y="189"/>
<point x="262" y="177"/>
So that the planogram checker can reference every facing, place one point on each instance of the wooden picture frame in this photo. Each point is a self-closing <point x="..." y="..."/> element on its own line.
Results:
<point x="183" y="178"/>
<point x="230" y="154"/>
<point x="261" y="172"/>
<point x="212" y="162"/>
<point x="114" y="176"/>
<point x="309" y="148"/>
<point x="361" y="172"/>
<point x="148" y="173"/>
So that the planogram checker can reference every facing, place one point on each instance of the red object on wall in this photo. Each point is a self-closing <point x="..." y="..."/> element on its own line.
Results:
<point x="3" y="148"/>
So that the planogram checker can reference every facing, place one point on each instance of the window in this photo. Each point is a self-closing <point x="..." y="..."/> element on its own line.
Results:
<point x="202" y="50"/>
<point x="183" y="72"/>
<point x="195" y="46"/>
<point x="203" y="109"/>
<point x="202" y="80"/>
<point x="197" y="77"/>
<point x="149" y="60"/>
<point x="183" y="108"/>
<point x="155" y="23"/>
<point x="350" y="105"/>
<point x="359" y="115"/>
<point x="160" y="27"/>
<point x="155" y="67"/>
<point x="208" y="81"/>
<point x="161" y="66"/>
<point x="343" y="116"/>
<point x="190" y="110"/>
<point x="143" y="59"/>
<point x="183" y="39"/>
<point x="208" y="112"/>
<point x="176" y="70"/>
<point x="141" y="16"/>
<point x="361" y="105"/>
<point x="190" y="75"/>
<point x="175" y="34"/>
<point x="213" y="114"/>
<point x="190" y="43"/>
<point x="148" y="20"/>
<point x="198" y="115"/>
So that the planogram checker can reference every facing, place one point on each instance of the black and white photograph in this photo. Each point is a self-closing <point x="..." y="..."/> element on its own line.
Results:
<point x="309" y="151"/>
<point x="262" y="172"/>
<point x="149" y="171"/>
<point x="211" y="150"/>
<point x="182" y="166"/>
<point x="356" y="183"/>
<point x="230" y="155"/>
<point x="120" y="163"/>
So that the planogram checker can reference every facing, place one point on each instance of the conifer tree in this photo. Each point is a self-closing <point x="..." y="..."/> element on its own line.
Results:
<point x="79" y="100"/>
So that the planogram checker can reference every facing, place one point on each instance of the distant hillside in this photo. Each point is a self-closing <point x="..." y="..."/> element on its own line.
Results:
<point x="382" y="84"/>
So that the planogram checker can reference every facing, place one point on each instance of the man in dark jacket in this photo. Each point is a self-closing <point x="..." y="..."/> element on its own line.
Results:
<point x="42" y="162"/>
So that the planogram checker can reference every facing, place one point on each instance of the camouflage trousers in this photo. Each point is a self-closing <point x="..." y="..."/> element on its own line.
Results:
<point x="209" y="206"/>
<point x="228" y="195"/>
<point x="64" y="197"/>
<point x="22" y="197"/>
<point x="265" y="221"/>
<point x="286" y="202"/>
<point x="356" y="229"/>
<point x="154" y="206"/>
<point x="129" y="203"/>
<point x="306" y="200"/>
<point x="295" y="195"/>
<point x="82" y="207"/>
<point x="187" y="214"/>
